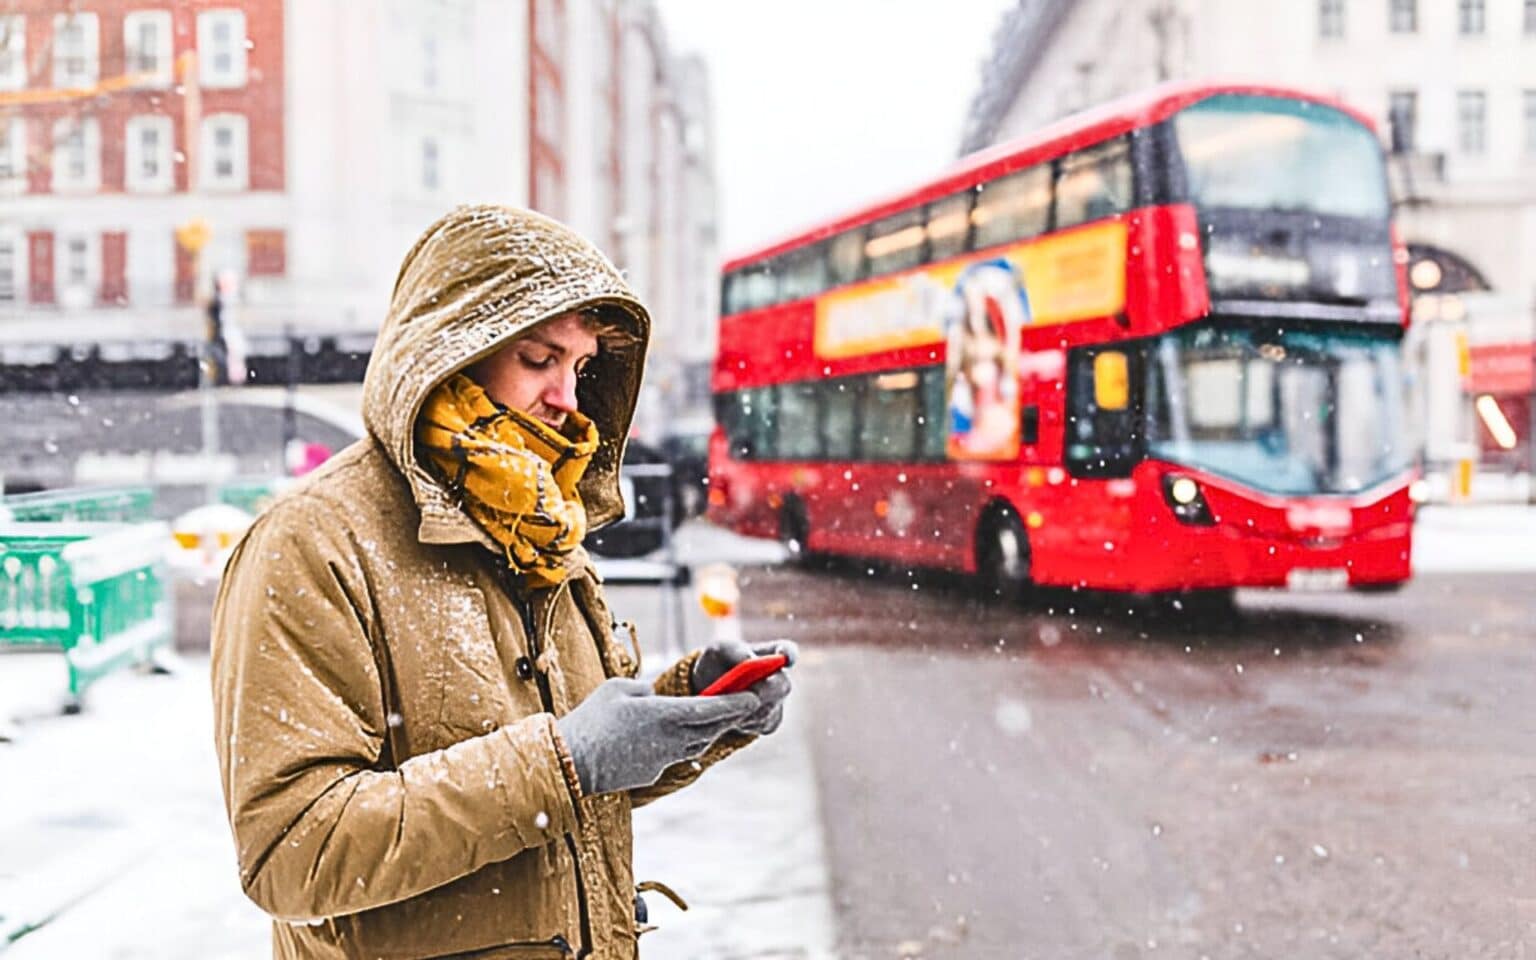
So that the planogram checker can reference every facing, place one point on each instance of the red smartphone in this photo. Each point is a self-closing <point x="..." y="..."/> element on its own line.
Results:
<point x="746" y="673"/>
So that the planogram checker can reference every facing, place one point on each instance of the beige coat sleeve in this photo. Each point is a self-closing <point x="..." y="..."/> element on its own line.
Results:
<point x="323" y="824"/>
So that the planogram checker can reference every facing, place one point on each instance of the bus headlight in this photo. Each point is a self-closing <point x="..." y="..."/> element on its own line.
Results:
<point x="1183" y="491"/>
<point x="1186" y="500"/>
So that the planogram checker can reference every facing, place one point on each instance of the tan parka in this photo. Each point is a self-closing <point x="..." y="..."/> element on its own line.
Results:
<point x="385" y="690"/>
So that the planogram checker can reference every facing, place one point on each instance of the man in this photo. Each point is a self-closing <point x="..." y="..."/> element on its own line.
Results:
<point x="430" y="740"/>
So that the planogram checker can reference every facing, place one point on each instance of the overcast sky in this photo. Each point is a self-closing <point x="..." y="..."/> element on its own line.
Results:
<point x="822" y="105"/>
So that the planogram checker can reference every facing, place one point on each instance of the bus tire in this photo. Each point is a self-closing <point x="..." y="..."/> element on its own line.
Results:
<point x="795" y="530"/>
<point x="1002" y="556"/>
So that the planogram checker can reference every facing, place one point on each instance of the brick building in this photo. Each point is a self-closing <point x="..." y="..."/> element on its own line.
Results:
<point x="313" y="142"/>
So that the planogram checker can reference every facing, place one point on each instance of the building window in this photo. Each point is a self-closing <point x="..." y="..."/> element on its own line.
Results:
<point x="1472" y="121"/>
<point x="13" y="154"/>
<point x="1330" y="18"/>
<point x="10" y="267"/>
<point x="221" y="47"/>
<point x="148" y="154"/>
<point x="1405" y="16"/>
<point x="79" y="270"/>
<point x="147" y="44"/>
<point x="1403" y="120"/>
<point x="13" y="52"/>
<point x="1530" y="16"/>
<point x="429" y="61"/>
<point x="76" y="43"/>
<point x="226" y="152"/>
<point x="76" y="154"/>
<point x="1530" y="123"/>
<point x="430" y="178"/>
<point x="1472" y="16"/>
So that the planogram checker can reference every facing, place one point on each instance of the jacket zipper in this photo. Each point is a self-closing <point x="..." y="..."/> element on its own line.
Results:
<point x="525" y="610"/>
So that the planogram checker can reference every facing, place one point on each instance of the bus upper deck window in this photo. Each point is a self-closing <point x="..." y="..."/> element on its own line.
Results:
<point x="1111" y="381"/>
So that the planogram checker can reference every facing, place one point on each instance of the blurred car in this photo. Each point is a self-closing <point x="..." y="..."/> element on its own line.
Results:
<point x="686" y="448"/>
<point x="650" y="505"/>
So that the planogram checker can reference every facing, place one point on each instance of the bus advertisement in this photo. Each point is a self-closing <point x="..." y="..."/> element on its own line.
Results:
<point x="1154" y="348"/>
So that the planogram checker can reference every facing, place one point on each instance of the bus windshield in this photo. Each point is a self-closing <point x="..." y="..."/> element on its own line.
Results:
<point x="1250" y="152"/>
<point x="1281" y="410"/>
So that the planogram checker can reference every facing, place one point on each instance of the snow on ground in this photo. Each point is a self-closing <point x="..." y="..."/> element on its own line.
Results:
<point x="112" y="826"/>
<point x="1475" y="538"/>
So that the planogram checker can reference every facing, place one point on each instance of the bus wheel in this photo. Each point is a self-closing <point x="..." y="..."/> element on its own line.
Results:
<point x="794" y="530"/>
<point x="1002" y="557"/>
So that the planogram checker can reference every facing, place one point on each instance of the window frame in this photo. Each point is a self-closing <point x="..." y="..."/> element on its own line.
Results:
<point x="134" y="178"/>
<point x="1472" y="18"/>
<point x="932" y="214"/>
<point x="133" y="23"/>
<point x="912" y="222"/>
<point x="1331" y="15"/>
<point x="1465" y="131"/>
<point x="16" y="241"/>
<point x="14" y="149"/>
<point x="89" y="130"/>
<point x="1088" y="160"/>
<point x="982" y="240"/>
<point x="209" y="74"/>
<point x="89" y="54"/>
<point x="68" y="292"/>
<point x="13" y="46"/>
<point x="240" y="148"/>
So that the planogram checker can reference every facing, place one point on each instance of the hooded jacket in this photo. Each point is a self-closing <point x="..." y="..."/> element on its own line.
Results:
<point x="385" y="690"/>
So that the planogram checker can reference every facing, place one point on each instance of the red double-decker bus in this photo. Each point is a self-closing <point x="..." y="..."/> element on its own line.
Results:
<point x="1155" y="347"/>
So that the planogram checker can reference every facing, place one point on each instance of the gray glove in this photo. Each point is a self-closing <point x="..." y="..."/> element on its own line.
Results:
<point x="722" y="655"/>
<point x="623" y="736"/>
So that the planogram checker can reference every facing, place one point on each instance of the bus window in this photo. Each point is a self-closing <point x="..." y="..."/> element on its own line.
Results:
<point x="1094" y="183"/>
<point x="931" y="426"/>
<point x="761" y="412"/>
<point x="949" y="226"/>
<point x="1101" y="441"/>
<point x="845" y="257"/>
<point x="840" y="419"/>
<point x="799" y="434"/>
<point x="751" y="288"/>
<point x="804" y="273"/>
<point x="1014" y="208"/>
<point x="891" y="410"/>
<point x="895" y="243"/>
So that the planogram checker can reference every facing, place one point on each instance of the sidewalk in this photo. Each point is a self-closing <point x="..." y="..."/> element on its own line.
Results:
<point x="113" y="837"/>
<point x="1475" y="538"/>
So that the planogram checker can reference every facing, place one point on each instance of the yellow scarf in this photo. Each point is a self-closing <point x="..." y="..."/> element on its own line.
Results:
<point x="517" y="475"/>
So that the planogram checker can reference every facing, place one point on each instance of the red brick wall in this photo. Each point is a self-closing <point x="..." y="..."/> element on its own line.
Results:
<point x="260" y="100"/>
<point x="40" y="266"/>
<point x="114" y="269"/>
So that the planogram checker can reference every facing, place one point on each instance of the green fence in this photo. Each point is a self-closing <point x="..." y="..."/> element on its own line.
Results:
<point x="95" y="591"/>
<point x="88" y="504"/>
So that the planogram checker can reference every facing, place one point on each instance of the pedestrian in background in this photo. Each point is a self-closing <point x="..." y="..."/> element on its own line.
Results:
<point x="429" y="737"/>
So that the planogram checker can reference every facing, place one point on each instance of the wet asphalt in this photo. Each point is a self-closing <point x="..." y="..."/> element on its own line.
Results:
<point x="1328" y="775"/>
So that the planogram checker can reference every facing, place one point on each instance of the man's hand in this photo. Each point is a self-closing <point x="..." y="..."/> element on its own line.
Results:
<point x="722" y="655"/>
<point x="623" y="736"/>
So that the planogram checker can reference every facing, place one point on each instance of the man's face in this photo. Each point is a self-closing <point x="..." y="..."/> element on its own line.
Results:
<point x="536" y="373"/>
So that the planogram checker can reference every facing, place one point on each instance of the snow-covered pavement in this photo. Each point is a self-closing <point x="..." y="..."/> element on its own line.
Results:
<point x="113" y="841"/>
<point x="1477" y="538"/>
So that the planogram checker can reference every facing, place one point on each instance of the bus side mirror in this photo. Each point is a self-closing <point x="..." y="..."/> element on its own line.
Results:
<point x="1111" y="381"/>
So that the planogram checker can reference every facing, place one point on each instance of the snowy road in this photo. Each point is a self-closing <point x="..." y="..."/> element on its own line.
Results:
<point x="1321" y="776"/>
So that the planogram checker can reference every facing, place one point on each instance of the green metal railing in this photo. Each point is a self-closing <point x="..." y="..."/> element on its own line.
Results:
<point x="252" y="496"/>
<point x="88" y="504"/>
<point x="95" y="591"/>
